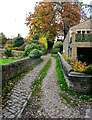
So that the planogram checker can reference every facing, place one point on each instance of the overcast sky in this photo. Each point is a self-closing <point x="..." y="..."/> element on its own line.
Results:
<point x="13" y="16"/>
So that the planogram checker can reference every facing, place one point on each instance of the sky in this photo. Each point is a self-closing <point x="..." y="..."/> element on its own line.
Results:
<point x="13" y="16"/>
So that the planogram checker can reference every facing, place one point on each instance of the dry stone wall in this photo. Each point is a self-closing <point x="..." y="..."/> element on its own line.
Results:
<point x="15" y="53"/>
<point x="11" y="69"/>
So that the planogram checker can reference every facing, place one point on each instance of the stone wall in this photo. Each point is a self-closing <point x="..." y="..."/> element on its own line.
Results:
<point x="15" y="53"/>
<point x="11" y="69"/>
<point x="66" y="44"/>
<point x="78" y="82"/>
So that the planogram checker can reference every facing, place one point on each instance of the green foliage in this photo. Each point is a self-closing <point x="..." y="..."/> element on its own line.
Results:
<point x="32" y="46"/>
<point x="9" y="46"/>
<point x="63" y="85"/>
<point x="70" y="39"/>
<point x="7" y="52"/>
<point x="4" y="60"/>
<point x="35" y="37"/>
<point x="58" y="44"/>
<point x="18" y="42"/>
<point x="57" y="47"/>
<point x="24" y="54"/>
<point x="35" y="53"/>
<point x="83" y="37"/>
<point x="16" y="48"/>
<point x="44" y="41"/>
<point x="3" y="38"/>
<point x="88" y="70"/>
<point x="36" y="86"/>
<point x="56" y="50"/>
<point x="32" y="41"/>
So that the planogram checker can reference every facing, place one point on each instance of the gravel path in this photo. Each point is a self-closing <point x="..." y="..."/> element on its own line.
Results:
<point x="52" y="104"/>
<point x="22" y="92"/>
<point x="47" y="105"/>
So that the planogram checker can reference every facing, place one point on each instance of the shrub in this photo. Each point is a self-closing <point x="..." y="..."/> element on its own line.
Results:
<point x="58" y="44"/>
<point x="88" y="69"/>
<point x="8" y="46"/>
<point x="16" y="48"/>
<point x="23" y="54"/>
<point x="57" y="47"/>
<point x="32" y="46"/>
<point x="35" y="37"/>
<point x="35" y="53"/>
<point x="7" y="52"/>
<point x="32" y="41"/>
<point x="18" y="42"/>
<point x="44" y="41"/>
<point x="56" y="50"/>
<point x="23" y="46"/>
<point x="79" y="66"/>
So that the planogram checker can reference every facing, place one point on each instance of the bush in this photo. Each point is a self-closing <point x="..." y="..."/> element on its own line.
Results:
<point x="35" y="37"/>
<point x="9" y="46"/>
<point x="88" y="70"/>
<point x="44" y="41"/>
<point x="33" y="41"/>
<point x="57" y="47"/>
<point x="23" y="46"/>
<point x="7" y="52"/>
<point x="32" y="46"/>
<point x="35" y="53"/>
<point x="58" y="44"/>
<point x="23" y="54"/>
<point x="16" y="48"/>
<point x="56" y="50"/>
<point x="18" y="42"/>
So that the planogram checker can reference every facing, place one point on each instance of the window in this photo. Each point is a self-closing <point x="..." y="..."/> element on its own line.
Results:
<point x="78" y="32"/>
<point x="88" y="32"/>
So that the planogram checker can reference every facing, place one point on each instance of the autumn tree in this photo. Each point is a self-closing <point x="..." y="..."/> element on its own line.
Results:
<point x="50" y="18"/>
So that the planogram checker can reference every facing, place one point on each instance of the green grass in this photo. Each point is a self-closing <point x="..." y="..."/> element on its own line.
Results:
<point x="61" y="80"/>
<point x="4" y="60"/>
<point x="6" y="89"/>
<point x="36" y="86"/>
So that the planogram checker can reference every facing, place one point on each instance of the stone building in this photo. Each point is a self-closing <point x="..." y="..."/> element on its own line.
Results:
<point x="78" y="42"/>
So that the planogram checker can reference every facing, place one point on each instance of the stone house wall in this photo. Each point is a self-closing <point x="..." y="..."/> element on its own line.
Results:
<point x="71" y="48"/>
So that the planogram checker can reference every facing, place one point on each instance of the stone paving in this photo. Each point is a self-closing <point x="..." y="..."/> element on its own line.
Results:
<point x="22" y="92"/>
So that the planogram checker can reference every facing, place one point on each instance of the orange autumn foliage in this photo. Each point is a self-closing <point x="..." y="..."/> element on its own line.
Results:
<point x="51" y="16"/>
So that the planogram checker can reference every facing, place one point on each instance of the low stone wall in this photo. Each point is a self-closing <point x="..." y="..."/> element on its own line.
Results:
<point x="11" y="69"/>
<point x="15" y="53"/>
<point x="78" y="82"/>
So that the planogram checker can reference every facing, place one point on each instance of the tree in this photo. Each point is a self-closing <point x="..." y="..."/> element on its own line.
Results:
<point x="3" y="38"/>
<point x="52" y="17"/>
<point x="18" y="41"/>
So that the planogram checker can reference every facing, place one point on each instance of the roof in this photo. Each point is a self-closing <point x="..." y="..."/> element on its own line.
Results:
<point x="84" y="25"/>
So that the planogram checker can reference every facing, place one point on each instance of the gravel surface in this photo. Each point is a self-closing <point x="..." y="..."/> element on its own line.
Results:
<point x="52" y="104"/>
<point x="22" y="92"/>
<point x="48" y="103"/>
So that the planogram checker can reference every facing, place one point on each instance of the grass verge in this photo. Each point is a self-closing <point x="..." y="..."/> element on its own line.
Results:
<point x="4" y="60"/>
<point x="33" y="104"/>
<point x="36" y="86"/>
<point x="6" y="89"/>
<point x="63" y="85"/>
